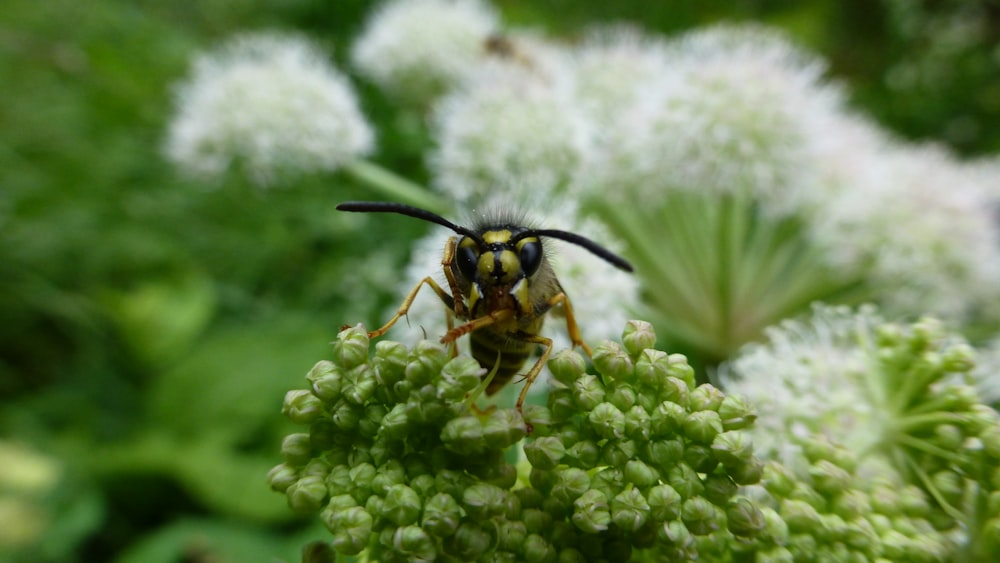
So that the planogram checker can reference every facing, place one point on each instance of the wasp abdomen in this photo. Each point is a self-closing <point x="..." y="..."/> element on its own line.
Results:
<point x="488" y="346"/>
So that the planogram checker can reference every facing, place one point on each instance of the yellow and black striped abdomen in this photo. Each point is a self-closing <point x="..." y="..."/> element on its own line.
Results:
<point x="487" y="345"/>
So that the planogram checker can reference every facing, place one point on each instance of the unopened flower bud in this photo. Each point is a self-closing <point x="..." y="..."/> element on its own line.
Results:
<point x="591" y="513"/>
<point x="706" y="397"/>
<point x="702" y="426"/>
<point x="463" y="435"/>
<point x="629" y="510"/>
<point x="640" y="474"/>
<point x="308" y="494"/>
<point x="483" y="501"/>
<point x="351" y="347"/>
<point x="743" y="518"/>
<point x="611" y="360"/>
<point x="296" y="449"/>
<point x="652" y="368"/>
<point x="607" y="421"/>
<point x="638" y="336"/>
<point x="588" y="391"/>
<point x="301" y="406"/>
<point x="503" y="428"/>
<point x="412" y="543"/>
<point x="458" y="377"/>
<point x="800" y="516"/>
<point x="282" y="476"/>
<point x="566" y="366"/>
<point x="537" y="550"/>
<point x="545" y="452"/>
<point x="699" y="516"/>
<point x="351" y="529"/>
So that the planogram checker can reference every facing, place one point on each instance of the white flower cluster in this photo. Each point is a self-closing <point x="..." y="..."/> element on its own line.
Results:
<point x="271" y="103"/>
<point x="418" y="49"/>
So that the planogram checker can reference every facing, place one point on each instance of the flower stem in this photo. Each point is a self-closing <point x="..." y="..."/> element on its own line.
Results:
<point x="394" y="186"/>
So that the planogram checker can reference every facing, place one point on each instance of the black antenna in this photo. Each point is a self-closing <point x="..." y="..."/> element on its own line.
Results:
<point x="402" y="209"/>
<point x="610" y="257"/>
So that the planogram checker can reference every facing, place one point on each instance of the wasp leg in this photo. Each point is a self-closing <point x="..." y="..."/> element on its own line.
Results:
<point x="571" y="327"/>
<point x="476" y="324"/>
<point x="405" y="307"/>
<point x="458" y="305"/>
<point x="529" y="377"/>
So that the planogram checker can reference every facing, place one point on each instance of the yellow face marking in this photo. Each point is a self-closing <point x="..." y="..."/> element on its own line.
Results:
<point x="494" y="237"/>
<point x="520" y="293"/>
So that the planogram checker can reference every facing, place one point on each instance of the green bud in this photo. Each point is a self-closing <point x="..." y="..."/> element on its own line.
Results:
<point x="361" y="477"/>
<point x="325" y="380"/>
<point x="566" y="366"/>
<point x="706" y="397"/>
<point x="301" y="406"/>
<point x="396" y="424"/>
<point x="483" y="501"/>
<point x="775" y="527"/>
<point x="442" y="515"/>
<point x="640" y="474"/>
<point x="680" y="369"/>
<point x="588" y="392"/>
<point x="622" y="396"/>
<point x="699" y="516"/>
<point x="851" y="504"/>
<point x="675" y="390"/>
<point x="529" y="497"/>
<point x="617" y="452"/>
<point x="426" y="360"/>
<point x="338" y="480"/>
<point x="371" y="420"/>
<point x="346" y="416"/>
<point x="591" y="514"/>
<point x="583" y="454"/>
<point x="464" y="435"/>
<point x="351" y="347"/>
<point x="666" y="420"/>
<point x="638" y="336"/>
<point x="307" y="495"/>
<point x="637" y="423"/>
<point x="351" y="529"/>
<point x="390" y="362"/>
<point x="828" y="478"/>
<point x="401" y="506"/>
<point x="702" y="426"/>
<point x="629" y="510"/>
<point x="778" y="479"/>
<point x="537" y="550"/>
<point x="412" y="543"/>
<point x="860" y="535"/>
<point x="685" y="481"/>
<point x="360" y="385"/>
<point x="452" y="482"/>
<point x="675" y="533"/>
<point x="949" y="485"/>
<point x="700" y="458"/>
<point x="612" y="361"/>
<point x="990" y="536"/>
<point x="570" y="483"/>
<point x="545" y="452"/>
<point x="539" y="418"/>
<point x="389" y="474"/>
<point x="503" y="428"/>
<point x="808" y="495"/>
<point x="743" y="518"/>
<point x="296" y="449"/>
<point x="607" y="421"/>
<point x="748" y="473"/>
<point x="512" y="535"/>
<point x="570" y="555"/>
<point x="503" y="475"/>
<point x="562" y="404"/>
<point x="736" y="414"/>
<point x="609" y="480"/>
<point x="774" y="554"/>
<point x="458" y="377"/>
<point x="732" y="448"/>
<point x="719" y="489"/>
<point x="536" y="521"/>
<point x="664" y="503"/>
<point x="800" y="516"/>
<point x="663" y="453"/>
<point x="542" y="479"/>
<point x="652" y="367"/>
<point x="282" y="476"/>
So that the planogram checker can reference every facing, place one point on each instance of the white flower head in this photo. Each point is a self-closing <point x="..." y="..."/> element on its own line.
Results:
<point x="922" y="228"/>
<point x="419" y="49"/>
<point x="269" y="102"/>
<point x="614" y="65"/>
<point x="987" y="372"/>
<point x="733" y="112"/>
<point x="509" y="124"/>
<point x="809" y="377"/>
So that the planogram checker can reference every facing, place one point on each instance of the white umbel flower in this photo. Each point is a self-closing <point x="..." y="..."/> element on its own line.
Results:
<point x="269" y="102"/>
<point x="920" y="226"/>
<point x="418" y="49"/>
<point x="734" y="112"/>
<point x="510" y="124"/>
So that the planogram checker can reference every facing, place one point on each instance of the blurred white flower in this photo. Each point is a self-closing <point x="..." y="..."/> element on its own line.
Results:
<point x="987" y="372"/>
<point x="614" y="66"/>
<point x="736" y="111"/>
<point x="418" y="49"/>
<point x="921" y="228"/>
<point x="811" y="376"/>
<point x="271" y="103"/>
<point x="509" y="125"/>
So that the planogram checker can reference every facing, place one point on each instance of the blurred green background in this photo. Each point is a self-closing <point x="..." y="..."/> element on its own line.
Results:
<point x="149" y="327"/>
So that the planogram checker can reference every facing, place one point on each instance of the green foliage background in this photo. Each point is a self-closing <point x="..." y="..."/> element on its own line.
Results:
<point x="150" y="326"/>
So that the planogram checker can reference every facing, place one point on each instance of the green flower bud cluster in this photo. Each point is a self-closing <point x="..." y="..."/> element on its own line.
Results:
<point x="940" y="435"/>
<point x="824" y="507"/>
<point x="633" y="462"/>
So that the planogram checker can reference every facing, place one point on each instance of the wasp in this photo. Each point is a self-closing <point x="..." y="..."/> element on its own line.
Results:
<point x="501" y="287"/>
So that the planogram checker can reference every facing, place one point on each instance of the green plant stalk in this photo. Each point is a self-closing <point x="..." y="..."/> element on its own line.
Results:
<point x="395" y="187"/>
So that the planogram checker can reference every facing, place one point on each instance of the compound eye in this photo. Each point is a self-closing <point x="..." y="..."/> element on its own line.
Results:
<point x="530" y="254"/>
<point x="468" y="261"/>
